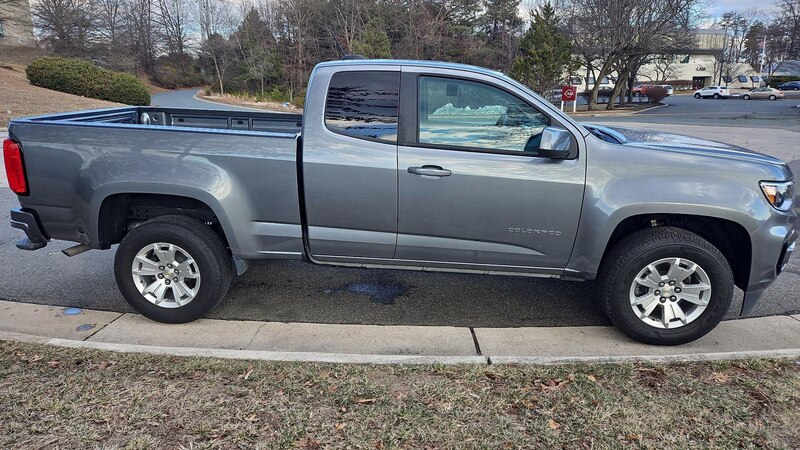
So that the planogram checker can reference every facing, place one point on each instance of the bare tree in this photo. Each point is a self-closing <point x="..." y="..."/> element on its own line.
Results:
<point x="171" y="17"/>
<point x="66" y="24"/>
<point x="618" y="35"/>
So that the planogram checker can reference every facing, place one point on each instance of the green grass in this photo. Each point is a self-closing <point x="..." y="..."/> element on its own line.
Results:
<point x="64" y="398"/>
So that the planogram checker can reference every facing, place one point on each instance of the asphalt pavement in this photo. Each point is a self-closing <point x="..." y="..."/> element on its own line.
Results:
<point x="186" y="98"/>
<point x="732" y="112"/>
<point x="284" y="291"/>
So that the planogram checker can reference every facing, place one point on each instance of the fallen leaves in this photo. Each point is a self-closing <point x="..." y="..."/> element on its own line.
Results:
<point x="720" y="377"/>
<point x="308" y="442"/>
<point x="553" y="424"/>
<point x="633" y="437"/>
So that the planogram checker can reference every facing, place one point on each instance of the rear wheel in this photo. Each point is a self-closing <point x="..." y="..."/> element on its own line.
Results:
<point x="665" y="286"/>
<point x="716" y="96"/>
<point x="173" y="269"/>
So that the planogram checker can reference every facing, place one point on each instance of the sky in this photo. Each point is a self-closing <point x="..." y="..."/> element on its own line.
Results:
<point x="717" y="7"/>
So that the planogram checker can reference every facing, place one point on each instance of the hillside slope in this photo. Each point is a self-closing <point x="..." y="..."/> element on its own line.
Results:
<point x="19" y="99"/>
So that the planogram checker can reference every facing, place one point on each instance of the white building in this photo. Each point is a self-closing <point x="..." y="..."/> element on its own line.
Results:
<point x="689" y="69"/>
<point x="16" y="26"/>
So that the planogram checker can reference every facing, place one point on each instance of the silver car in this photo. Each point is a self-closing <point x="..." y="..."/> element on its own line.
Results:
<point x="763" y="92"/>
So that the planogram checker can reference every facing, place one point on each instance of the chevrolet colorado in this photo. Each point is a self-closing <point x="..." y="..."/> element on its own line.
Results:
<point x="415" y="165"/>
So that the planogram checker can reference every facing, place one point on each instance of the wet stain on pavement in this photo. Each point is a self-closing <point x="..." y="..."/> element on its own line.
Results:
<point x="379" y="292"/>
<point x="84" y="327"/>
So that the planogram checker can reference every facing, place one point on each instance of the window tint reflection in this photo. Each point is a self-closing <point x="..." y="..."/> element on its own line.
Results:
<point x="364" y="104"/>
<point x="468" y="114"/>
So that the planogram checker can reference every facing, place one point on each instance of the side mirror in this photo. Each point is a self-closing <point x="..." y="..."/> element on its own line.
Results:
<point x="555" y="143"/>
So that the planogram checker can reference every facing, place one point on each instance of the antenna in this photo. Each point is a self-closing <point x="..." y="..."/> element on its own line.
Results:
<point x="342" y="53"/>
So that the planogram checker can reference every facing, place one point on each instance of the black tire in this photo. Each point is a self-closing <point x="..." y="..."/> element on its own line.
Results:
<point x="634" y="252"/>
<point x="716" y="96"/>
<point x="696" y="95"/>
<point x="796" y="89"/>
<point x="201" y="242"/>
<point x="773" y="97"/>
<point x="745" y="97"/>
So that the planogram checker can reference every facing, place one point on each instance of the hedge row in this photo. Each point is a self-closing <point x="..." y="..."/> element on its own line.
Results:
<point x="79" y="77"/>
<point x="774" y="81"/>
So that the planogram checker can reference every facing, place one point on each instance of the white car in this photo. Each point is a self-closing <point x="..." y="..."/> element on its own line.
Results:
<point x="668" y="87"/>
<point x="713" y="92"/>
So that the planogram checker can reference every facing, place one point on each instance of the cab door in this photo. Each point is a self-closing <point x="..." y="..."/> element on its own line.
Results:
<point x="349" y="163"/>
<point x="473" y="191"/>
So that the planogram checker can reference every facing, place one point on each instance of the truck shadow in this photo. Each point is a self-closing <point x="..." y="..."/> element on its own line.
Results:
<point x="300" y="292"/>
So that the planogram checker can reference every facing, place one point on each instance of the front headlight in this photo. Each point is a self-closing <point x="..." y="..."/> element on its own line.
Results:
<point x="779" y="193"/>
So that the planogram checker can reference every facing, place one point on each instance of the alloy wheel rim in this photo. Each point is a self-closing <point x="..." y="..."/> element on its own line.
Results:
<point x="670" y="293"/>
<point x="166" y="275"/>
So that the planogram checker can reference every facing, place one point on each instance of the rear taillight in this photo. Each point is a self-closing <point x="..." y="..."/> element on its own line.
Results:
<point x="15" y="169"/>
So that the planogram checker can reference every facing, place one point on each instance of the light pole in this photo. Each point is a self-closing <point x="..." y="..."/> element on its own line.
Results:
<point x="725" y="24"/>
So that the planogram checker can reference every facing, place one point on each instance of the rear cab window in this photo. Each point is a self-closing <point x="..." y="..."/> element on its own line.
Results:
<point x="363" y="105"/>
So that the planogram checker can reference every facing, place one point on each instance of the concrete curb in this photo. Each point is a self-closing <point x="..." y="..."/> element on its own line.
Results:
<point x="336" y="358"/>
<point x="650" y="109"/>
<point x="763" y="337"/>
<point x="199" y="98"/>
<point x="263" y="355"/>
<point x="551" y="360"/>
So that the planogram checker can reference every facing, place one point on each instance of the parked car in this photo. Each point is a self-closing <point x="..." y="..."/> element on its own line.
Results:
<point x="790" y="86"/>
<point x="467" y="171"/>
<point x="668" y="87"/>
<point x="763" y="92"/>
<point x="712" y="92"/>
<point x="640" y="90"/>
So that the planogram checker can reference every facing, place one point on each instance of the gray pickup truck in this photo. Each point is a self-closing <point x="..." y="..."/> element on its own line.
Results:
<point x="414" y="165"/>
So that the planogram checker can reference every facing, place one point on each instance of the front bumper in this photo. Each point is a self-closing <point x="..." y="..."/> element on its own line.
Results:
<point x="29" y="223"/>
<point x="772" y="246"/>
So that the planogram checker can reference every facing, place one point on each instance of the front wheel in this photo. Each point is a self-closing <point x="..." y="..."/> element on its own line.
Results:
<point x="173" y="269"/>
<point x="665" y="286"/>
<point x="696" y="95"/>
<point x="772" y="97"/>
<point x="746" y="97"/>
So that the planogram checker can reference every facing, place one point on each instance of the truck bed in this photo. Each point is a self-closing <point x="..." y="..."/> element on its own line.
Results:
<point x="268" y="122"/>
<point x="241" y="165"/>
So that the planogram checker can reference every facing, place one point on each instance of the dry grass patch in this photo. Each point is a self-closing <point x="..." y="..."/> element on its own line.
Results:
<point x="20" y="99"/>
<point x="56" y="397"/>
<point x="249" y="102"/>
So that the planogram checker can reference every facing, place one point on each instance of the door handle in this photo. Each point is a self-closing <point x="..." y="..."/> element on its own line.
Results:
<point x="431" y="171"/>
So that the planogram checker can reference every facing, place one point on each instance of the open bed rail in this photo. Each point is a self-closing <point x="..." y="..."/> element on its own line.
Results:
<point x="268" y="122"/>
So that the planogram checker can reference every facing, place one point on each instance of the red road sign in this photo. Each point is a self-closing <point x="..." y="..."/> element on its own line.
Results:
<point x="568" y="93"/>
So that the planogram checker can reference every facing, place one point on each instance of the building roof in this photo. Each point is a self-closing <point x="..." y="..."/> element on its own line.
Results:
<point x="787" y="68"/>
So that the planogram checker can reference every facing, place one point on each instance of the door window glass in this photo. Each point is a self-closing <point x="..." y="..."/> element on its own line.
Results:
<point x="364" y="105"/>
<point x="462" y="113"/>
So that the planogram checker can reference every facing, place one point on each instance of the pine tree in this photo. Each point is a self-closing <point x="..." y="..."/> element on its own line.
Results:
<point x="545" y="54"/>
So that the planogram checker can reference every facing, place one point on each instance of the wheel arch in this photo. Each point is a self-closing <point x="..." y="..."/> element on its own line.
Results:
<point x="730" y="237"/>
<point x="114" y="210"/>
